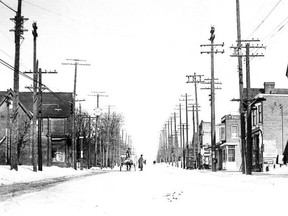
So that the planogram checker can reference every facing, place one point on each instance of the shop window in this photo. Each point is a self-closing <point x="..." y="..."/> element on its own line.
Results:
<point x="234" y="131"/>
<point x="231" y="153"/>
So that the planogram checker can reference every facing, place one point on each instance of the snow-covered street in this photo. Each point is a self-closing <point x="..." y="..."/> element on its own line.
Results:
<point x="158" y="190"/>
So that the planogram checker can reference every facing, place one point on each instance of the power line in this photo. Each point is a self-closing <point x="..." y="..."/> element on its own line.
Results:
<point x="277" y="29"/>
<point x="6" y="53"/>
<point x="265" y="18"/>
<point x="273" y="33"/>
<point x="8" y="6"/>
<point x="50" y="11"/>
<point x="30" y="78"/>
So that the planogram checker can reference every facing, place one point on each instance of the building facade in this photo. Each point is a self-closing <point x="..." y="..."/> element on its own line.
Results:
<point x="55" y="132"/>
<point x="269" y="126"/>
<point x="228" y="143"/>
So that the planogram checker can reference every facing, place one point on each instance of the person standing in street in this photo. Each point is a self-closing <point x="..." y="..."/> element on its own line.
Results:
<point x="140" y="163"/>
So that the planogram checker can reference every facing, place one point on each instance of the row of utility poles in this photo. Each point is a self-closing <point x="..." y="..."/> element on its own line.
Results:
<point x="36" y="145"/>
<point x="191" y="155"/>
<point x="170" y="149"/>
<point x="245" y="105"/>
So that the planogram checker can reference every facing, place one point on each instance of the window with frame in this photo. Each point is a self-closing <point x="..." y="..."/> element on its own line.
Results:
<point x="254" y="117"/>
<point x="260" y="117"/>
<point x="231" y="153"/>
<point x="234" y="131"/>
<point x="222" y="133"/>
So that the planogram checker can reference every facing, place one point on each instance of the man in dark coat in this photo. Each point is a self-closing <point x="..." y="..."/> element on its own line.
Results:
<point x="140" y="163"/>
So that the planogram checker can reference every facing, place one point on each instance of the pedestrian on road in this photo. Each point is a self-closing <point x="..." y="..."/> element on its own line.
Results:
<point x="140" y="163"/>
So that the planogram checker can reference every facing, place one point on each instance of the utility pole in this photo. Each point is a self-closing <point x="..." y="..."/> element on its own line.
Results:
<point x="37" y="113"/>
<point x="18" y="31"/>
<point x="181" y="143"/>
<point x="172" y="140"/>
<point x="213" y="135"/>
<point x="240" y="72"/>
<point x="81" y="137"/>
<point x="108" y="137"/>
<point x="97" y="112"/>
<point x="194" y="130"/>
<point x="169" y="141"/>
<point x="247" y="102"/>
<point x="175" y="142"/>
<point x="89" y="144"/>
<point x="35" y="98"/>
<point x="186" y="149"/>
<point x="196" y="79"/>
<point x="76" y="63"/>
<point x="183" y="132"/>
<point x="80" y="133"/>
<point x="40" y="161"/>
<point x="165" y="142"/>
<point x="195" y="146"/>
<point x="183" y="127"/>
<point x="37" y="105"/>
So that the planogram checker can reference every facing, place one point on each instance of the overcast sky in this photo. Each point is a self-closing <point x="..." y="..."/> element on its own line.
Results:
<point x="140" y="52"/>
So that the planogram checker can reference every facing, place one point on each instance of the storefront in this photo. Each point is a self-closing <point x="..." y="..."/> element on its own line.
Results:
<point x="228" y="156"/>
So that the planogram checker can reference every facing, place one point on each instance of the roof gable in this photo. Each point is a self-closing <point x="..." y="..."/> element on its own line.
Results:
<point x="54" y="105"/>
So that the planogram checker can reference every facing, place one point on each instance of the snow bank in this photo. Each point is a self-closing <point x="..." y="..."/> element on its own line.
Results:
<point x="26" y="174"/>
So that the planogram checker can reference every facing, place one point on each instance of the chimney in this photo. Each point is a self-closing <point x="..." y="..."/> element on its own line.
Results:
<point x="269" y="87"/>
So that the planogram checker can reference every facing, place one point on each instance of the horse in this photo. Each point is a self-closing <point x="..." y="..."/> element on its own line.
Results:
<point x="128" y="162"/>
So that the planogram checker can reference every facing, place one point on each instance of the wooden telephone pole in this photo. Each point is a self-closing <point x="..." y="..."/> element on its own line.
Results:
<point x="97" y="112"/>
<point x="76" y="63"/>
<point x="35" y="99"/>
<point x="196" y="79"/>
<point x="186" y="148"/>
<point x="181" y="143"/>
<point x="213" y="135"/>
<point x="247" y="102"/>
<point x="241" y="111"/>
<point x="37" y="104"/>
<point x="18" y="31"/>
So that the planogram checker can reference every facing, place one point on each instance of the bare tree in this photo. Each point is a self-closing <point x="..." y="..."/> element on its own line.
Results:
<point x="23" y="139"/>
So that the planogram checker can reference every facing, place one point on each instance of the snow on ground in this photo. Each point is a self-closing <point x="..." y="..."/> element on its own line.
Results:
<point x="26" y="174"/>
<point x="158" y="190"/>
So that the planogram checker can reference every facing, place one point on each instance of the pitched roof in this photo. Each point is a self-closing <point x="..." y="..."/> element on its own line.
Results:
<point x="54" y="105"/>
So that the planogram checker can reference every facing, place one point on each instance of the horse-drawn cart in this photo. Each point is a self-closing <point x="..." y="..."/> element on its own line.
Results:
<point x="128" y="162"/>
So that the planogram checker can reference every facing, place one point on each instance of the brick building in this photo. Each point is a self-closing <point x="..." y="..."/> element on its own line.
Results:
<point x="269" y="125"/>
<point x="227" y="143"/>
<point x="228" y="138"/>
<point x="56" y="127"/>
